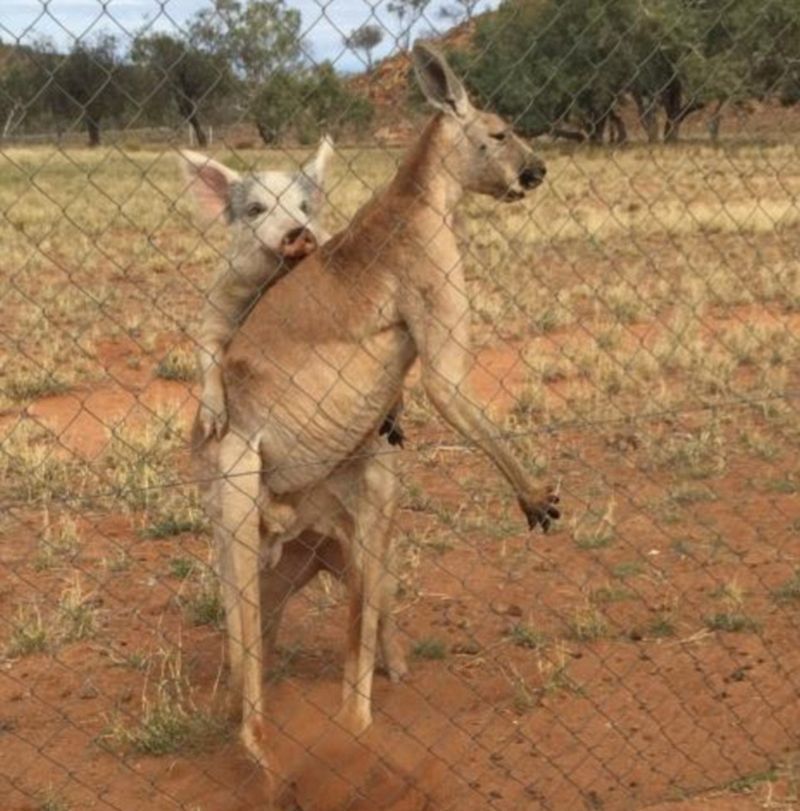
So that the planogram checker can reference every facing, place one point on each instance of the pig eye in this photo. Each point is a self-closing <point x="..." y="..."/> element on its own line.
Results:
<point x="254" y="209"/>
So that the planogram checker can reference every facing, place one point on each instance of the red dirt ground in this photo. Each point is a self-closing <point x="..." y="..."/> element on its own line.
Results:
<point x="631" y="720"/>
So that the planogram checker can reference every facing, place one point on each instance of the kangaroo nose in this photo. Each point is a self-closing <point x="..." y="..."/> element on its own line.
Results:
<point x="532" y="176"/>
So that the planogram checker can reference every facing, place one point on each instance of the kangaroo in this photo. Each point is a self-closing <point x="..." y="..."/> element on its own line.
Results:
<point x="274" y="221"/>
<point x="319" y="362"/>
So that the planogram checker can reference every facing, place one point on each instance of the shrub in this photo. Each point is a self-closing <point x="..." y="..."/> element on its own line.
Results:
<point x="304" y="106"/>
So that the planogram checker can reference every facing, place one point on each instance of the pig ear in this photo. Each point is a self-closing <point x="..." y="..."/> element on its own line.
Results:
<point x="317" y="167"/>
<point x="209" y="181"/>
<point x="316" y="171"/>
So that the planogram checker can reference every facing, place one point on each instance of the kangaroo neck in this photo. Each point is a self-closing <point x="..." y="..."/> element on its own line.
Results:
<point x="423" y="184"/>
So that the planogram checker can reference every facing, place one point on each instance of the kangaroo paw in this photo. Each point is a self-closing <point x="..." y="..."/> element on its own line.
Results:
<point x="541" y="512"/>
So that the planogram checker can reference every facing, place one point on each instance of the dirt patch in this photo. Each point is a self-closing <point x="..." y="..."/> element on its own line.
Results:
<point x="644" y="655"/>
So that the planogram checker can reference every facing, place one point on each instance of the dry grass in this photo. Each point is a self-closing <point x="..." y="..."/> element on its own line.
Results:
<point x="644" y="304"/>
<point x="170" y="720"/>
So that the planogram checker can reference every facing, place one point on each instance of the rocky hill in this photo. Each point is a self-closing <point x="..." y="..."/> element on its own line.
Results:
<point x="386" y="86"/>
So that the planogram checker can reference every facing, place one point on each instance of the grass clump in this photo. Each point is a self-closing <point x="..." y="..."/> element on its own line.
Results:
<point x="72" y="620"/>
<point x="587" y="624"/>
<point x="175" y="513"/>
<point x="75" y="615"/>
<point x="731" y="622"/>
<point x="429" y="648"/>
<point x="662" y="626"/>
<point x="182" y="568"/>
<point x="33" y="384"/>
<point x="610" y="594"/>
<point x="58" y="543"/>
<point x="627" y="569"/>
<point x="746" y="783"/>
<point x="50" y="800"/>
<point x="178" y="364"/>
<point x="523" y="636"/>
<point x="693" y="455"/>
<point x="790" y="590"/>
<point x="29" y="634"/>
<point x="141" y="462"/>
<point x="33" y="467"/>
<point x="170" y="720"/>
<point x="204" y="605"/>
<point x="595" y="530"/>
<point x="554" y="673"/>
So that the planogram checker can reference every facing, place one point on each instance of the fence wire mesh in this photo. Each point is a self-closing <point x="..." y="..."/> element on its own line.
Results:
<point x="633" y="344"/>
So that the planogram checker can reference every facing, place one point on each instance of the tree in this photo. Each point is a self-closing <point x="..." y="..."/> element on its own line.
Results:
<point x="365" y="38"/>
<point x="771" y="39"/>
<point x="408" y="13"/>
<point x="460" y="10"/>
<point x="554" y="67"/>
<point x="258" y="38"/>
<point x="18" y="86"/>
<point x="86" y="84"/>
<point x="306" y="104"/>
<point x="566" y="66"/>
<point x="182" y="76"/>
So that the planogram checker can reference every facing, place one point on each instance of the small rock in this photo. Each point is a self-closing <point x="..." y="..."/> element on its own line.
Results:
<point x="471" y="648"/>
<point x="506" y="609"/>
<point x="8" y="724"/>
<point x="87" y="690"/>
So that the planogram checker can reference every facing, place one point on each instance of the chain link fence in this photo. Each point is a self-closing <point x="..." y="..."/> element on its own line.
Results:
<point x="633" y="341"/>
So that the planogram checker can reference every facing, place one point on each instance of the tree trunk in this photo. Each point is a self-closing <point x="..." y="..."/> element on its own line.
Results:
<point x="619" y="132"/>
<point x="715" y="121"/>
<point x="568" y="134"/>
<point x="93" y="130"/>
<point x="199" y="132"/>
<point x="268" y="136"/>
<point x="676" y="109"/>
<point x="11" y="122"/>
<point x="596" y="127"/>
<point x="648" y="116"/>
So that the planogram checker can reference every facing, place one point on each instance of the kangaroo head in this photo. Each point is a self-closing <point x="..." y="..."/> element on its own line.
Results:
<point x="278" y="209"/>
<point x="482" y="153"/>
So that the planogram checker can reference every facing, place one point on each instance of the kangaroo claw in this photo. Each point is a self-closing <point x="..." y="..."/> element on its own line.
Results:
<point x="394" y="433"/>
<point x="213" y="423"/>
<point x="541" y="512"/>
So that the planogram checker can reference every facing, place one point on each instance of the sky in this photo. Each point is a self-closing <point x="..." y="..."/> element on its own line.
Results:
<point x="324" y="21"/>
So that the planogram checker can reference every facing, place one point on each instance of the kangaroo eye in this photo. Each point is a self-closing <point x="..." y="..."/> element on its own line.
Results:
<point x="305" y="207"/>
<point x="254" y="209"/>
<point x="498" y="136"/>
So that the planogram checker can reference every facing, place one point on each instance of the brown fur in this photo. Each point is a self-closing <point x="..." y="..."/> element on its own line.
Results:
<point x="320" y="361"/>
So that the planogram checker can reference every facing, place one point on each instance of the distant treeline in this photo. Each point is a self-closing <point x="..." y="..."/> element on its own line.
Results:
<point x="566" y="67"/>
<point x="233" y="61"/>
<point x="559" y="67"/>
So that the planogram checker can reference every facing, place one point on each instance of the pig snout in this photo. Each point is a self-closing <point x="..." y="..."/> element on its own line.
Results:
<point x="297" y="243"/>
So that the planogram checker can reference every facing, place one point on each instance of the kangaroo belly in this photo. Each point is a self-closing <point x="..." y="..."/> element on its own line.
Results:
<point x="316" y="408"/>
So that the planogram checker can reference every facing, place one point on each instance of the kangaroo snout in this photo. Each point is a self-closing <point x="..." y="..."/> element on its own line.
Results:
<point x="531" y="176"/>
<point x="297" y="243"/>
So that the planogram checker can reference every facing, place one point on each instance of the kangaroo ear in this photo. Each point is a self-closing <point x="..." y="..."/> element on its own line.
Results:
<point x="439" y="84"/>
<point x="209" y="181"/>
<point x="316" y="171"/>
